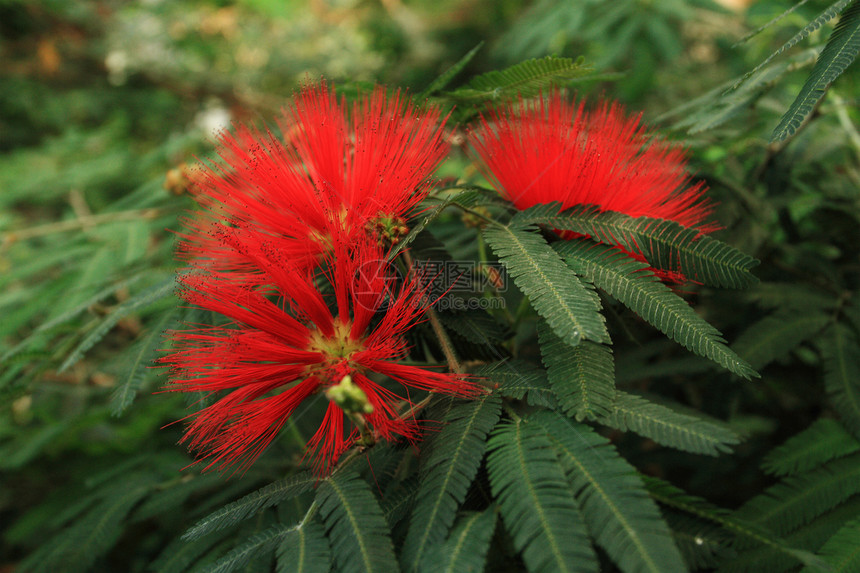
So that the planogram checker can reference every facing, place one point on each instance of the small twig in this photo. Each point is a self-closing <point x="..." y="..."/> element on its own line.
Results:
<point x="81" y="223"/>
<point x="80" y="207"/>
<point x="438" y="330"/>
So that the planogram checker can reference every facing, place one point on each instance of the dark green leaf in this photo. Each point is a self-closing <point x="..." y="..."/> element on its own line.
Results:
<point x="630" y="281"/>
<point x="664" y="244"/>
<point x="841" y="352"/>
<point x="839" y="53"/>
<point x="252" y="503"/>
<point x="466" y="547"/>
<point x="821" y="442"/>
<point x="570" y="307"/>
<point x="583" y="376"/>
<point x="304" y="550"/>
<point x="453" y="457"/>
<point x="669" y="428"/>
<point x="357" y="531"/>
<point x="537" y="505"/>
<point x="774" y="336"/>
<point x="617" y="509"/>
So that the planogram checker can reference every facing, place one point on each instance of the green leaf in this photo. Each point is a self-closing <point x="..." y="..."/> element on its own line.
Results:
<point x="821" y="442"/>
<point x="671" y="496"/>
<point x="91" y="536"/>
<point x="804" y="32"/>
<point x="774" y="336"/>
<point x="664" y="244"/>
<point x="798" y="499"/>
<point x="842" y="551"/>
<point x="702" y="545"/>
<point x="359" y="536"/>
<point x="537" y="505"/>
<point x="839" y="53"/>
<point x="453" y="456"/>
<point x="617" y="509"/>
<point x="142" y="355"/>
<point x="570" y="307"/>
<point x="518" y="379"/>
<point x="167" y="498"/>
<point x="305" y="550"/>
<point x="669" y="428"/>
<point x="583" y="376"/>
<point x="763" y="27"/>
<point x="810" y="537"/>
<point x="443" y="80"/>
<point x="243" y="508"/>
<point x="466" y="547"/>
<point x="133" y="304"/>
<point x="180" y="554"/>
<point x="633" y="284"/>
<point x="524" y="79"/>
<point x="841" y="352"/>
<point x="476" y="326"/>
<point x="255" y="547"/>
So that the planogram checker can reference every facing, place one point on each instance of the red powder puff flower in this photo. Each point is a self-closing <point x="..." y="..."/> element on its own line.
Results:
<point x="287" y="343"/>
<point x="339" y="172"/>
<point x="552" y="150"/>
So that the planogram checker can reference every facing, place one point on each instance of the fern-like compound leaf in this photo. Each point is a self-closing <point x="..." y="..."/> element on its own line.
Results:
<point x="831" y="12"/>
<point x="519" y="380"/>
<point x="811" y="537"/>
<point x="617" y="509"/>
<point x="667" y="494"/>
<point x="255" y="547"/>
<point x="476" y="326"/>
<point x="466" y="546"/>
<point x="821" y="442"/>
<point x="582" y="376"/>
<point x="569" y="306"/>
<point x="140" y="362"/>
<point x="180" y="554"/>
<point x="445" y="78"/>
<point x="774" y="336"/>
<point x="664" y="244"/>
<point x="92" y="534"/>
<point x="454" y="455"/>
<point x="536" y="502"/>
<point x="669" y="428"/>
<point x="252" y="503"/>
<point x="797" y="500"/>
<point x="702" y="545"/>
<point x="630" y="281"/>
<point x="524" y="79"/>
<point x="137" y="302"/>
<point x="842" y="551"/>
<point x="839" y="53"/>
<point x="304" y="549"/>
<point x="356" y="528"/>
<point x="841" y="351"/>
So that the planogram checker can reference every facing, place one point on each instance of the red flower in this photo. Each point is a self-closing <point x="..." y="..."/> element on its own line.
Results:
<point x="338" y="173"/>
<point x="551" y="150"/>
<point x="287" y="343"/>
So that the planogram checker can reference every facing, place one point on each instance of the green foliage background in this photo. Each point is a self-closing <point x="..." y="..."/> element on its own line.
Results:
<point x="663" y="451"/>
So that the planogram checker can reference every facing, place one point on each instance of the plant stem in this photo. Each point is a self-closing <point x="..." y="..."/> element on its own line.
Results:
<point x="438" y="330"/>
<point x="81" y="223"/>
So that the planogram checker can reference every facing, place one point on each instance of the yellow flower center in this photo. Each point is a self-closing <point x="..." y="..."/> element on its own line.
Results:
<point x="337" y="346"/>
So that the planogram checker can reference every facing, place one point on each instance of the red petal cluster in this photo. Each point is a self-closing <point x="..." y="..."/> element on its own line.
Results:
<point x="552" y="150"/>
<point x="334" y="175"/>
<point x="283" y="251"/>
